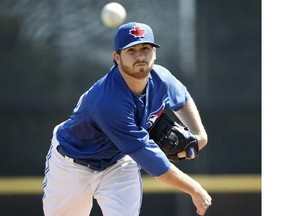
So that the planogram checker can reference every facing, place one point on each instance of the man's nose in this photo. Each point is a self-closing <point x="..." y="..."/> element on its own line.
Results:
<point x="140" y="55"/>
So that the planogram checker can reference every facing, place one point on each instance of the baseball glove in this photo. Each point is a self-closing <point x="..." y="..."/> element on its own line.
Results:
<point x="173" y="138"/>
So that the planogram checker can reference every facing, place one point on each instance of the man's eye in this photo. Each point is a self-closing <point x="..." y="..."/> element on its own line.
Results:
<point x="130" y="50"/>
<point x="146" y="48"/>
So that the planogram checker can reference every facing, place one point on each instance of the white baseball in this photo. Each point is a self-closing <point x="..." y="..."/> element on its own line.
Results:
<point x="113" y="14"/>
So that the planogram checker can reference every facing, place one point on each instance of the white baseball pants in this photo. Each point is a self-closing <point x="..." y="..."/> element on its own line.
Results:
<point x="69" y="188"/>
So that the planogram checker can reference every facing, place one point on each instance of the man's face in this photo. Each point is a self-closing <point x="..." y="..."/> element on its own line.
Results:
<point x="137" y="61"/>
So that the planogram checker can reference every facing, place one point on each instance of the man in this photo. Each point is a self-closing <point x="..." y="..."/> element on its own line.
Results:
<point x="99" y="151"/>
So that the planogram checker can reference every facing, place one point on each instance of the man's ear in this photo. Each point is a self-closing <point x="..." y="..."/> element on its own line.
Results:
<point x="116" y="56"/>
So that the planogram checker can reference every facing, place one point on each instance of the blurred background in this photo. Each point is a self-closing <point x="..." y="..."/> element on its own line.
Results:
<point x="51" y="51"/>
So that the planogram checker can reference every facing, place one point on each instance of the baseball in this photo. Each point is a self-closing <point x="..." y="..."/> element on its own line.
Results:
<point x="113" y="14"/>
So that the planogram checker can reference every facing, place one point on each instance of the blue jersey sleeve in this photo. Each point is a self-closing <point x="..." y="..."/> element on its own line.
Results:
<point x="149" y="155"/>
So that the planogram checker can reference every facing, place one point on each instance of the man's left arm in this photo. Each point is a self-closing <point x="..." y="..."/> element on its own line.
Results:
<point x="190" y="117"/>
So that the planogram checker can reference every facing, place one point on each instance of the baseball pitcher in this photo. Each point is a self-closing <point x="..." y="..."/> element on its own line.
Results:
<point x="119" y="127"/>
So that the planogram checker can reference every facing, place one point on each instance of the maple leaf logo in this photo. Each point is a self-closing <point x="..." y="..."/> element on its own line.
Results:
<point x="137" y="31"/>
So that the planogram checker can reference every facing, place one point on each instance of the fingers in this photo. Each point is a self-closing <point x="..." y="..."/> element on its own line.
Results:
<point x="202" y="200"/>
<point x="200" y="214"/>
<point x="203" y="207"/>
<point x="181" y="154"/>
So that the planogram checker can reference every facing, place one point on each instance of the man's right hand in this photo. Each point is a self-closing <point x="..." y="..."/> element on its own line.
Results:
<point x="179" y="180"/>
<point x="201" y="200"/>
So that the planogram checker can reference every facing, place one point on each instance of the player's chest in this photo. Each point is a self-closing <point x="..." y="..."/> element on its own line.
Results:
<point x="147" y="110"/>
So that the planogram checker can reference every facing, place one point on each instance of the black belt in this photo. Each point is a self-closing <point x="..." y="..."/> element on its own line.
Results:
<point x="59" y="149"/>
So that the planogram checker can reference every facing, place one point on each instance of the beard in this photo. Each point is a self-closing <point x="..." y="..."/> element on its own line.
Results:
<point x="140" y="74"/>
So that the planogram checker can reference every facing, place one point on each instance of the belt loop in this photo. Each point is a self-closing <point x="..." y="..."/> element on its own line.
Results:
<point x="71" y="160"/>
<point x="59" y="149"/>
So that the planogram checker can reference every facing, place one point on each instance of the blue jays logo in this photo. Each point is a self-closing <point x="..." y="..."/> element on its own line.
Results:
<point x="154" y="115"/>
<point x="137" y="31"/>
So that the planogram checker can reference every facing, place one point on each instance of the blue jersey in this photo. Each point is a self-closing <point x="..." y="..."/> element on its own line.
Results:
<point x="111" y="121"/>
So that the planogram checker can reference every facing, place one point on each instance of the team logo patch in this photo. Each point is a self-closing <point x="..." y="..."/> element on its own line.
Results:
<point x="137" y="31"/>
<point x="154" y="115"/>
